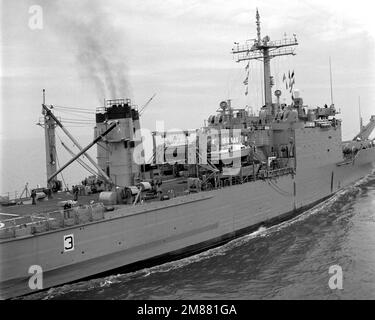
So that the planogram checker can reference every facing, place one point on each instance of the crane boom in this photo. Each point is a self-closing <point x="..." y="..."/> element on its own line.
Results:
<point x="49" y="113"/>
<point x="83" y="151"/>
<point x="82" y="163"/>
<point x="366" y="130"/>
<point x="146" y="104"/>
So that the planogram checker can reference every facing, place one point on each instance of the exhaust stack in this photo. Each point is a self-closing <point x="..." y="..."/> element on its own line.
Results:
<point x="115" y="153"/>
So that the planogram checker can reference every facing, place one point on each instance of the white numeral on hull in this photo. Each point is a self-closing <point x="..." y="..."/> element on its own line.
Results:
<point x="68" y="242"/>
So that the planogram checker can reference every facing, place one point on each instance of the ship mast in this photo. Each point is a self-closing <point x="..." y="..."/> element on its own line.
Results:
<point x="330" y="80"/>
<point x="50" y="142"/>
<point x="265" y="50"/>
<point x="360" y="115"/>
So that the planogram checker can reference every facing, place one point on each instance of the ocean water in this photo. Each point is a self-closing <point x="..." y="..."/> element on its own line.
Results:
<point x="286" y="261"/>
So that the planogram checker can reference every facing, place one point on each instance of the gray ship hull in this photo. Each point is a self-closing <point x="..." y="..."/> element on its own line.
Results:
<point x="165" y="230"/>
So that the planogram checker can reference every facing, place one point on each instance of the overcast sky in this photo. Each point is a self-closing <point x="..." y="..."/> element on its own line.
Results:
<point x="179" y="50"/>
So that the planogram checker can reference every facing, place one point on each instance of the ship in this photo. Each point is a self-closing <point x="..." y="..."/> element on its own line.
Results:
<point x="234" y="175"/>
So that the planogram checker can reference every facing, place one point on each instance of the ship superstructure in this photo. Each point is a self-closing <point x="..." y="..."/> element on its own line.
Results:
<point x="237" y="173"/>
<point x="115" y="151"/>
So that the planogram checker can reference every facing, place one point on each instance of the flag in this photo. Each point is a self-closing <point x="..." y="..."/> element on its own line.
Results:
<point x="291" y="84"/>
<point x="246" y="81"/>
<point x="293" y="74"/>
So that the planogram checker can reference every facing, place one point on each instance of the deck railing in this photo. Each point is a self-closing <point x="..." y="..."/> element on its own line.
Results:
<point x="41" y="222"/>
<point x="10" y="196"/>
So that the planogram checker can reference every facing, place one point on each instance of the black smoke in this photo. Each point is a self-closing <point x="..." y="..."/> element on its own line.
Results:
<point x="87" y="30"/>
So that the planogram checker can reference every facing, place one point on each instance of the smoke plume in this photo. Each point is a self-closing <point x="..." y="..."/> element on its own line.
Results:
<point x="87" y="30"/>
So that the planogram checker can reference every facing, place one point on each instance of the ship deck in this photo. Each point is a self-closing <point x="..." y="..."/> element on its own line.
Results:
<point x="43" y="206"/>
<point x="51" y="204"/>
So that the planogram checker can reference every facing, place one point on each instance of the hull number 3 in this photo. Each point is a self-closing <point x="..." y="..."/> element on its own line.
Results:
<point x="68" y="242"/>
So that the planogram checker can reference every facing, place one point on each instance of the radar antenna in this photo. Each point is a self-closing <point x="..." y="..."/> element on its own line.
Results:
<point x="264" y="49"/>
